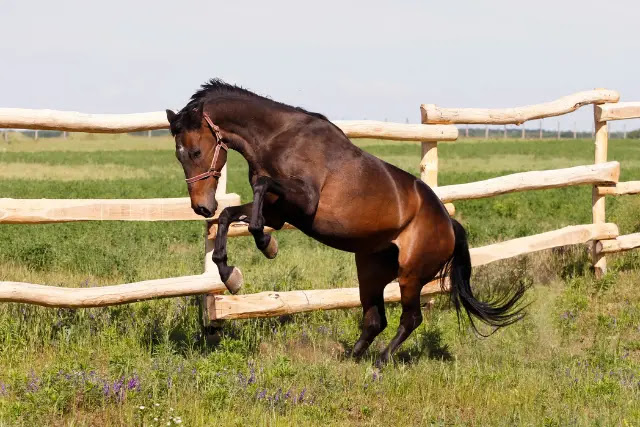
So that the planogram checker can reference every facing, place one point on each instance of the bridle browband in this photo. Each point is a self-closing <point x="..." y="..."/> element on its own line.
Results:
<point x="215" y="130"/>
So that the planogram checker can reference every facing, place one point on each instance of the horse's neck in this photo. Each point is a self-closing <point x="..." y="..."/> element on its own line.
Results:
<point x="248" y="128"/>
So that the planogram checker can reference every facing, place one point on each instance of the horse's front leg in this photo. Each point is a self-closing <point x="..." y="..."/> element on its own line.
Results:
<point x="230" y="275"/>
<point x="265" y="242"/>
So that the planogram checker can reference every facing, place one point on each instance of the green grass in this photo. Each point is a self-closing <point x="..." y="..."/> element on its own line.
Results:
<point x="573" y="360"/>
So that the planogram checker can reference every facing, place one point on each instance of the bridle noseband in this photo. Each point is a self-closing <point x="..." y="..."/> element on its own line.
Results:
<point x="219" y="144"/>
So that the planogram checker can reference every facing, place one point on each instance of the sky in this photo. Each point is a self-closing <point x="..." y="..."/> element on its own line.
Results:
<point x="347" y="59"/>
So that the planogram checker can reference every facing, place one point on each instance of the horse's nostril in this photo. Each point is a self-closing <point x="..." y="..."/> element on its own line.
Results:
<point x="201" y="210"/>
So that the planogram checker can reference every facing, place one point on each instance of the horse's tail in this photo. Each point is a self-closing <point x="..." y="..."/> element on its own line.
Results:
<point x="498" y="313"/>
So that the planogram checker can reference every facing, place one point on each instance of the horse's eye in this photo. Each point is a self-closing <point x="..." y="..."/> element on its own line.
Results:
<point x="196" y="153"/>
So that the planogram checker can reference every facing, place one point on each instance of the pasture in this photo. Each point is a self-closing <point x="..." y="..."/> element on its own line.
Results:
<point x="575" y="359"/>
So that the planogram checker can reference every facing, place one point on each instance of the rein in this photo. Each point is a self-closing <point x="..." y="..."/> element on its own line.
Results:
<point x="212" y="172"/>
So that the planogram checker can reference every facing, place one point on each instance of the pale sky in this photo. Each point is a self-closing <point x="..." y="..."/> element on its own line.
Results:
<point x="346" y="59"/>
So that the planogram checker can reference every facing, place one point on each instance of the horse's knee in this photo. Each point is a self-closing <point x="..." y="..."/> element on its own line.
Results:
<point x="225" y="216"/>
<point x="219" y="257"/>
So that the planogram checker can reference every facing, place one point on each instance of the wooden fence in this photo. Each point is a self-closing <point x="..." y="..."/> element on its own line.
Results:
<point x="437" y="125"/>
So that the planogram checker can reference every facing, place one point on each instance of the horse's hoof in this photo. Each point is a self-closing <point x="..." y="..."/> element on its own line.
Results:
<point x="272" y="248"/>
<point x="382" y="360"/>
<point x="235" y="280"/>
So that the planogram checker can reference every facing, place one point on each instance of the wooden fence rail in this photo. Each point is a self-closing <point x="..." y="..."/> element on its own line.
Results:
<point x="71" y="121"/>
<point x="44" y="211"/>
<point x="605" y="173"/>
<point x="55" y="296"/>
<point x="433" y="114"/>
<point x="619" y="244"/>
<point x="620" y="189"/>
<point x="618" y="111"/>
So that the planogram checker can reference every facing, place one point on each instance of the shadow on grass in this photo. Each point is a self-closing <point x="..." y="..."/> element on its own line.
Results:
<point x="429" y="345"/>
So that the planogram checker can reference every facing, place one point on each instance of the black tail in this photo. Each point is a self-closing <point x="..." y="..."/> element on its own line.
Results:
<point x="498" y="313"/>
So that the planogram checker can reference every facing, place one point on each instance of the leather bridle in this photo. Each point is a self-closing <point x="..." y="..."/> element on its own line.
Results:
<point x="212" y="172"/>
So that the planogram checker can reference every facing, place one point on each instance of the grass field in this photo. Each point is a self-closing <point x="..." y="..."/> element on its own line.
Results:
<point x="574" y="360"/>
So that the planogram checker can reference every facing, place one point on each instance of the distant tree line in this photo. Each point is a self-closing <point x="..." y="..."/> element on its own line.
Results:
<point x="516" y="133"/>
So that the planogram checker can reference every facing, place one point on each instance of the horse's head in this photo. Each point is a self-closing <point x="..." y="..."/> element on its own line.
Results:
<point x="202" y="153"/>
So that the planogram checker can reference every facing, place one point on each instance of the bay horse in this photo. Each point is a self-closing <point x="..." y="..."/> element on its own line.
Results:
<point x="305" y="171"/>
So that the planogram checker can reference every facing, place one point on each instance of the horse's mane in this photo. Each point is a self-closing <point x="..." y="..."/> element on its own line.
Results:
<point x="190" y="117"/>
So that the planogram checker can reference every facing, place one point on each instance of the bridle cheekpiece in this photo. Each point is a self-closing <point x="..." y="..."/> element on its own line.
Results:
<point x="212" y="172"/>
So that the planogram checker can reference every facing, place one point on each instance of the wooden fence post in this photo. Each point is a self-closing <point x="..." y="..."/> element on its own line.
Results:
<point x="429" y="160"/>
<point x="598" y="202"/>
<point x="486" y="132"/>
<point x="523" y="132"/>
<point x="429" y="163"/>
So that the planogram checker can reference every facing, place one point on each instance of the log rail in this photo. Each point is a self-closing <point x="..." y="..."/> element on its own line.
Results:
<point x="433" y="114"/>
<point x="71" y="121"/>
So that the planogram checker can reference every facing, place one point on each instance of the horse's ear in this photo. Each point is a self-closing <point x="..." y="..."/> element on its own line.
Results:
<point x="171" y="116"/>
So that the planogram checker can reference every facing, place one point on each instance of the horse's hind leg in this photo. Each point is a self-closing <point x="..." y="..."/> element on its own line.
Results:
<point x="375" y="271"/>
<point x="419" y="263"/>
<point x="411" y="318"/>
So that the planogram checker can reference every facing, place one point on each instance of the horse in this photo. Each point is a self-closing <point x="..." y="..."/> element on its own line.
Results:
<point x="305" y="171"/>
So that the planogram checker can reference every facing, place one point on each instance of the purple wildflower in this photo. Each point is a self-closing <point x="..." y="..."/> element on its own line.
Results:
<point x="118" y="389"/>
<point x="169" y="382"/>
<point x="252" y="376"/>
<point x="134" y="383"/>
<point x="34" y="382"/>
<point x="261" y="395"/>
<point x="3" y="389"/>
<point x="301" y="397"/>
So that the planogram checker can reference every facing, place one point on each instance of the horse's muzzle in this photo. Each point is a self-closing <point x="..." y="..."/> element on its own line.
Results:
<point x="204" y="211"/>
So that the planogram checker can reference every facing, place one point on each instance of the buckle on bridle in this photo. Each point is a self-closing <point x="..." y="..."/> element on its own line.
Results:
<point x="212" y="172"/>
